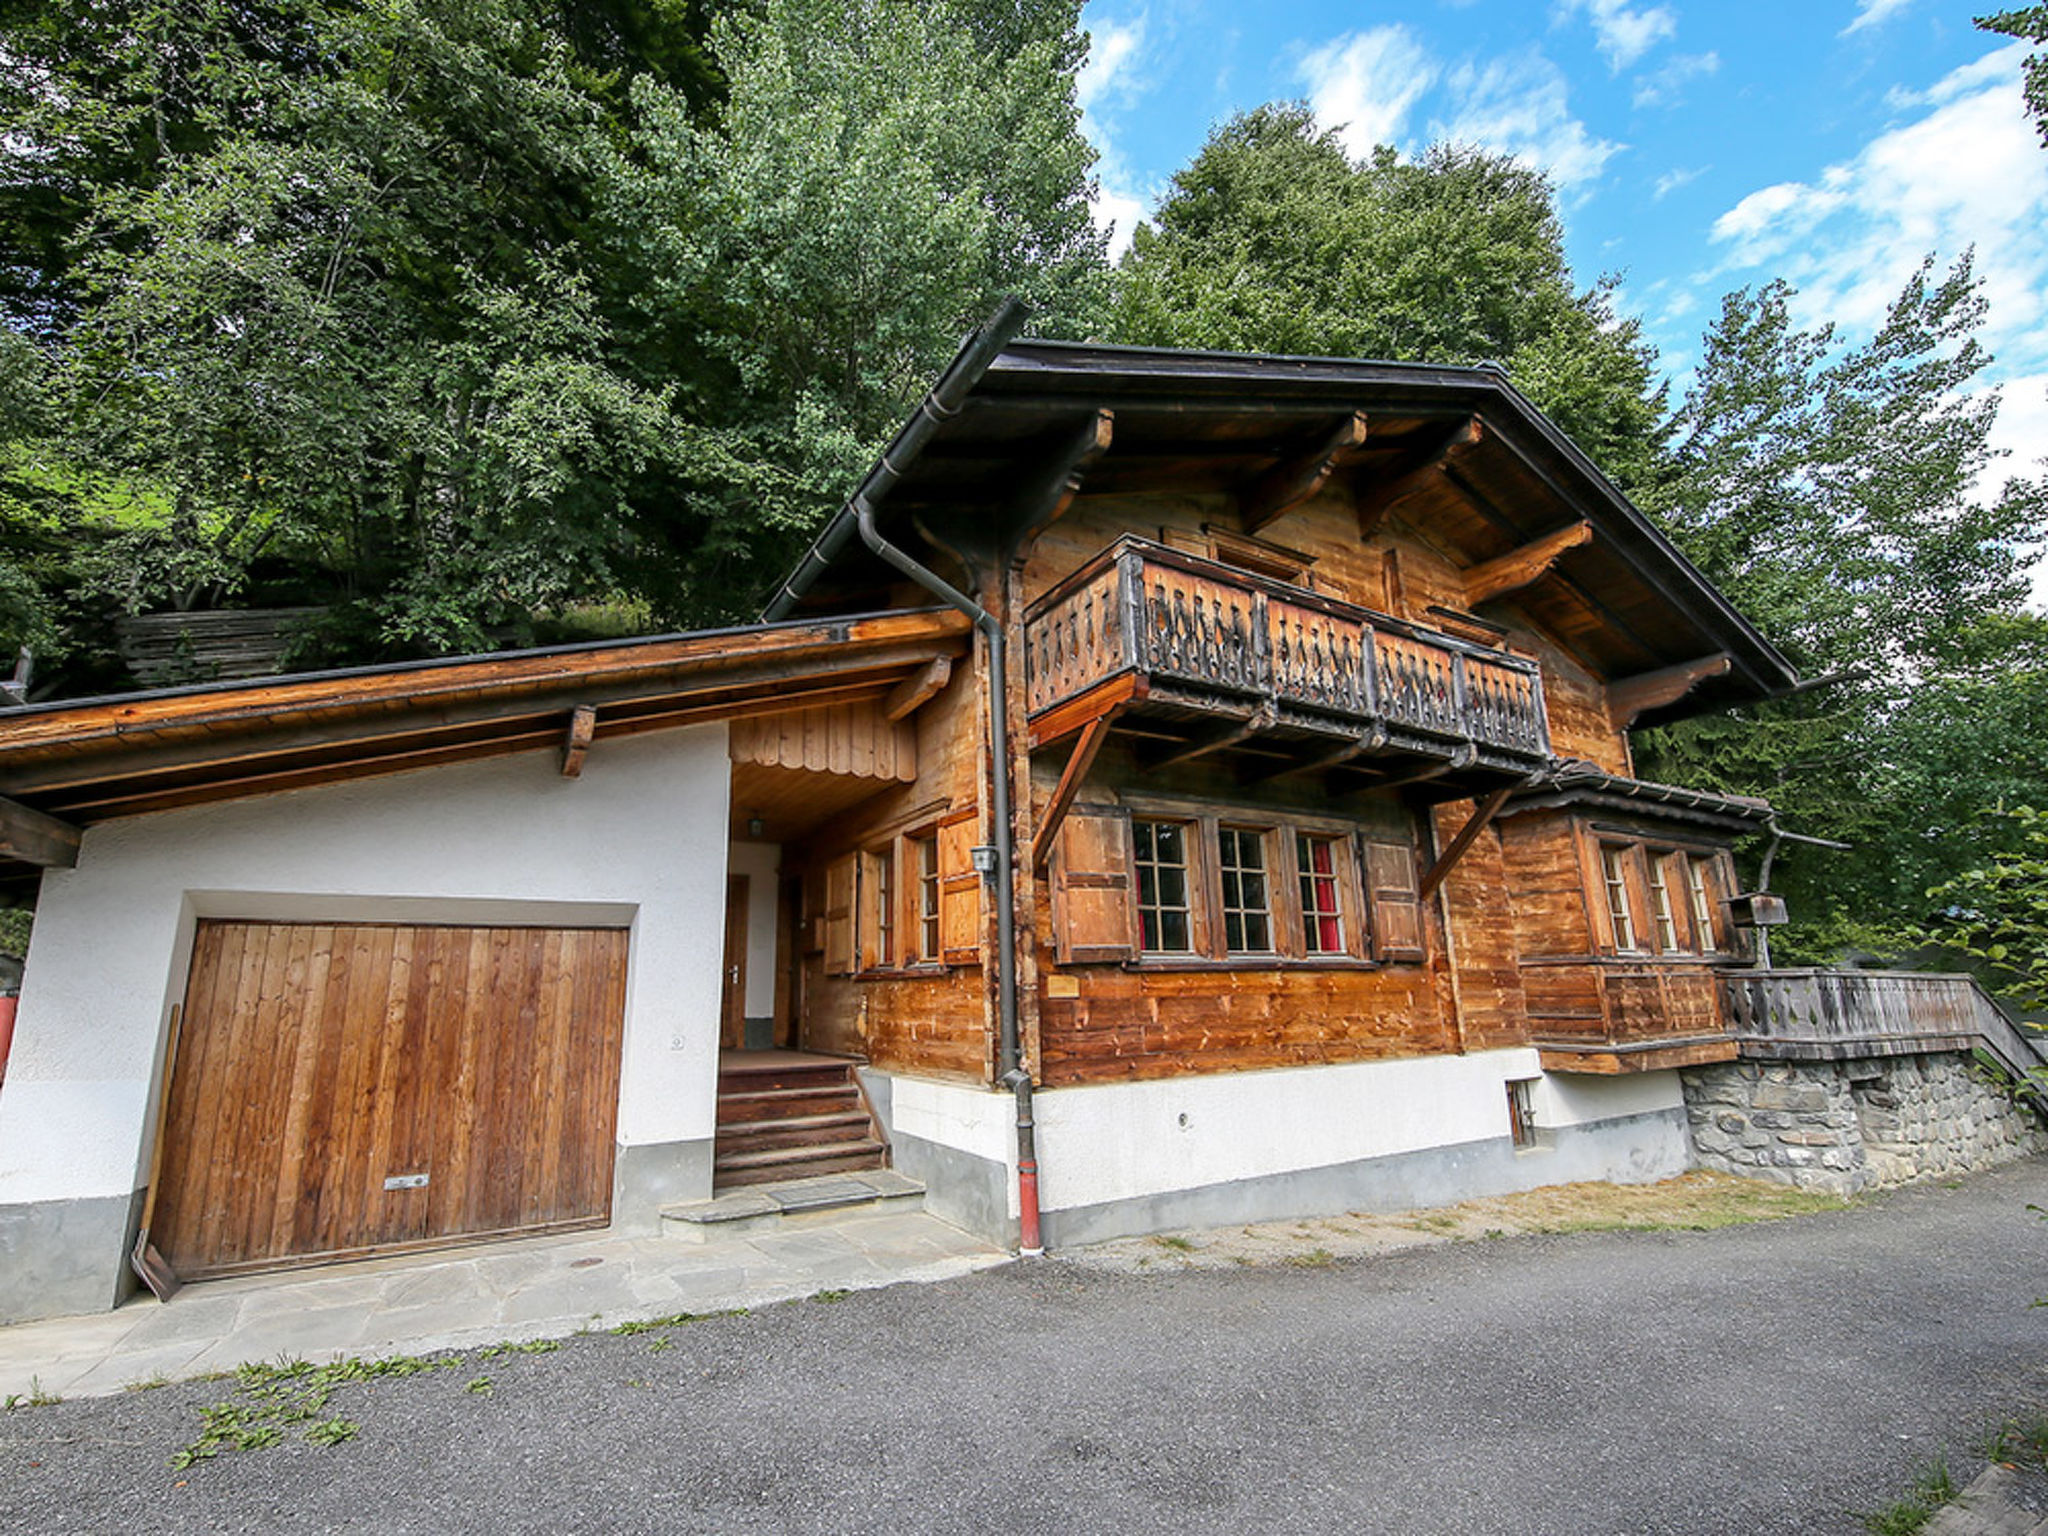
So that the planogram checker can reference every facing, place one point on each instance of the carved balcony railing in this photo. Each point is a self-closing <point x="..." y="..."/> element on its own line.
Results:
<point x="1808" y="1015"/>
<point x="1203" y="634"/>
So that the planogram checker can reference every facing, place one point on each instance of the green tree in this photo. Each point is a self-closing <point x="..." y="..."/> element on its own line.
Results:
<point x="878" y="178"/>
<point x="1829" y="492"/>
<point x="1274" y="239"/>
<point x="2031" y="23"/>
<point x="1997" y="910"/>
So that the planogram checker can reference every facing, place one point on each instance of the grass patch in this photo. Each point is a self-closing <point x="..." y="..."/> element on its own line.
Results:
<point x="2018" y="1442"/>
<point x="1907" y="1514"/>
<point x="829" y="1296"/>
<point x="34" y="1397"/>
<point x="1315" y="1258"/>
<point x="1694" y="1202"/>
<point x="273" y="1402"/>
<point x="1174" y="1241"/>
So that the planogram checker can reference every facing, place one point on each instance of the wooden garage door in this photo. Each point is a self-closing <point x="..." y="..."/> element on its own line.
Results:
<point x="350" y="1088"/>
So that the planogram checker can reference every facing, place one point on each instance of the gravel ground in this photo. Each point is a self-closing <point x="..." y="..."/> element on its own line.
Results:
<point x="1779" y="1377"/>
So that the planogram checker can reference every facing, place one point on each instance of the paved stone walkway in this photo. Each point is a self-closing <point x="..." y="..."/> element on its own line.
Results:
<point x="533" y="1288"/>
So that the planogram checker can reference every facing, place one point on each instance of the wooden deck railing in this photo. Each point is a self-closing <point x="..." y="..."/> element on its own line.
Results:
<point x="1828" y="1015"/>
<point x="1207" y="629"/>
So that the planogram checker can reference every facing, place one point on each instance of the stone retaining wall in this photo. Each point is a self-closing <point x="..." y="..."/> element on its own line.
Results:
<point x="1845" y="1126"/>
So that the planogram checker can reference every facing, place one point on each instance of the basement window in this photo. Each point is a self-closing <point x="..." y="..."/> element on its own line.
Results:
<point x="1522" y="1113"/>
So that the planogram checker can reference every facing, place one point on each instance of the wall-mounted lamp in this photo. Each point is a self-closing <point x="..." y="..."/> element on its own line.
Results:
<point x="755" y="825"/>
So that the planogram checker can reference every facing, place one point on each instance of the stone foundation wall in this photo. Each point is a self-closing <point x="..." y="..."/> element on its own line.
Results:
<point x="1845" y="1126"/>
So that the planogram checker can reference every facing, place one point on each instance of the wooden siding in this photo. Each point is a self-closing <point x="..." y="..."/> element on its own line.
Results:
<point x="317" y="1061"/>
<point x="857" y="740"/>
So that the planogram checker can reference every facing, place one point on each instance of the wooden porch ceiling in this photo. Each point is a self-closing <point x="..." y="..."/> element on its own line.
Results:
<point x="87" y="762"/>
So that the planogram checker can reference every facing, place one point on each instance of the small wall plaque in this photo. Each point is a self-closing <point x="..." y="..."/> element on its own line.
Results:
<point x="406" y="1181"/>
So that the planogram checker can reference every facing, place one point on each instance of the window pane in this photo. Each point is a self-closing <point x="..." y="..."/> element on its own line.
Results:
<point x="1247" y="925"/>
<point x="1322" y="921"/>
<point x="1162" y="886"/>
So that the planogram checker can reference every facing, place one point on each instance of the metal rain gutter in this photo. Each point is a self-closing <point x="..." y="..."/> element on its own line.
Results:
<point x="857" y="517"/>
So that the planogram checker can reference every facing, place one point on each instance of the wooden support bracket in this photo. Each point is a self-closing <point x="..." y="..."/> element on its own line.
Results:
<point x="1046" y="498"/>
<point x="1288" y="484"/>
<point x="36" y="838"/>
<point x="1217" y="740"/>
<point x="1467" y="835"/>
<point x="1418" y="479"/>
<point x="582" y="728"/>
<point x="1079" y="761"/>
<point x="1518" y="568"/>
<point x="1629" y="697"/>
<point x="910" y="695"/>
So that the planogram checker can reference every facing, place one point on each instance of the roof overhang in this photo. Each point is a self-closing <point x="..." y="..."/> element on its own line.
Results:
<point x="87" y="761"/>
<point x="1041" y="423"/>
<point x="1583" y="788"/>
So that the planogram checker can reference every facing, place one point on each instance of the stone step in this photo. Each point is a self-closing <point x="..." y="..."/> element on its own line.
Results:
<point x="765" y="1207"/>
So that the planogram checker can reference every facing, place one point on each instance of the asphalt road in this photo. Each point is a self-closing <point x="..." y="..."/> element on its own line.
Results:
<point x="1773" y="1378"/>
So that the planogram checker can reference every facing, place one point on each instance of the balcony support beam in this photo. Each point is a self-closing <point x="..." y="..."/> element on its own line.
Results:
<point x="1293" y="481"/>
<point x="1522" y="567"/>
<point x="1229" y="735"/>
<point x="1079" y="761"/>
<point x="1045" y="500"/>
<point x="1481" y="818"/>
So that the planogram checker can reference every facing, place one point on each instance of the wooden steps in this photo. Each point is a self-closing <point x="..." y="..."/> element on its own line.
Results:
<point x="785" y="1115"/>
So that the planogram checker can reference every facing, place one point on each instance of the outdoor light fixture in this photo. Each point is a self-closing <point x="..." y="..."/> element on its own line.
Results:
<point x="985" y="861"/>
<point x="755" y="825"/>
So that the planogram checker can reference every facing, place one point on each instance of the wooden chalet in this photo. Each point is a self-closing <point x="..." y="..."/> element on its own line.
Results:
<point x="1326" y="881"/>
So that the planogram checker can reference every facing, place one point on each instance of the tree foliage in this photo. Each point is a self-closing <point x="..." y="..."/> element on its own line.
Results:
<point x="1830" y="493"/>
<point x="1273" y="239"/>
<point x="1997" y="910"/>
<point x="2030" y="23"/>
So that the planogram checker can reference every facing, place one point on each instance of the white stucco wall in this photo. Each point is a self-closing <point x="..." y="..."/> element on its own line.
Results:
<point x="1582" y="1099"/>
<point x="1126" y="1140"/>
<point x="639" y="840"/>
<point x="761" y="863"/>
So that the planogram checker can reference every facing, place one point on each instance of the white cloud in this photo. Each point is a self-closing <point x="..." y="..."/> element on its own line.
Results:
<point x="1666" y="82"/>
<point x="1968" y="172"/>
<point x="1519" y="106"/>
<point x="1873" y="13"/>
<point x="1624" y="34"/>
<point x="1365" y="84"/>
<point x="1673" y="179"/>
<point x="1113" y="78"/>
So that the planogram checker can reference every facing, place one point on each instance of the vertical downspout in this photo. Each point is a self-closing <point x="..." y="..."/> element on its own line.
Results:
<point x="940" y="404"/>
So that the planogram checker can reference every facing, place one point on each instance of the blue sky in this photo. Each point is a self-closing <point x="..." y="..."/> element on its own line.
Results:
<point x="1696" y="147"/>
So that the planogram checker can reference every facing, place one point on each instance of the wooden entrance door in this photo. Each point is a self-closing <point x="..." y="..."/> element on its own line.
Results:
<point x="344" y="1089"/>
<point x="733" y="1033"/>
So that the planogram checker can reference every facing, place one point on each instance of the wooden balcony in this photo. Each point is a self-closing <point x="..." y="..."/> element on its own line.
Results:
<point x="1815" y="1015"/>
<point x="1199" y="657"/>
<point x="1612" y="1017"/>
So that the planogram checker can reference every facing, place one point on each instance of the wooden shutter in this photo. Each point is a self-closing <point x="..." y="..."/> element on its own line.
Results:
<point x="1093" y="917"/>
<point x="959" y="892"/>
<point x="1396" y="903"/>
<point x="839" y="892"/>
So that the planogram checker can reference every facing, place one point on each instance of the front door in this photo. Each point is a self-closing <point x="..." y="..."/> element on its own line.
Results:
<point x="733" y="1035"/>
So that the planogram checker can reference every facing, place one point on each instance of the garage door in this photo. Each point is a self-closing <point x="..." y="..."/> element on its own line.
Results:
<point x="343" y="1089"/>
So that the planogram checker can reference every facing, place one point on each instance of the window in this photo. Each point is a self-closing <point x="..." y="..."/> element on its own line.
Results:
<point x="1614" y="874"/>
<point x="1199" y="887"/>
<point x="1322" y="907"/>
<point x="1164" y="922"/>
<point x="1660" y="905"/>
<point x="878" y="909"/>
<point x="1247" y="915"/>
<point x="1699" y="889"/>
<point x="924" y="862"/>
<point x="1522" y="1113"/>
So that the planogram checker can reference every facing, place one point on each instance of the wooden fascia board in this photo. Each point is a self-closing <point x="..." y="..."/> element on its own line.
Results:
<point x="642" y="668"/>
<point x="103" y="749"/>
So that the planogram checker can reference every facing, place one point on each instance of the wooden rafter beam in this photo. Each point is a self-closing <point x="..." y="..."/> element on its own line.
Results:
<point x="1218" y="740"/>
<point x="1045" y="499"/>
<point x="582" y="728"/>
<point x="1079" y="761"/>
<point x="1422" y="478"/>
<point x="1293" y="481"/>
<point x="34" y="837"/>
<point x="1519" y="568"/>
<point x="910" y="695"/>
<point x="1629" y="697"/>
<point x="1467" y="836"/>
<point x="1062" y="720"/>
<point x="1333" y="757"/>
